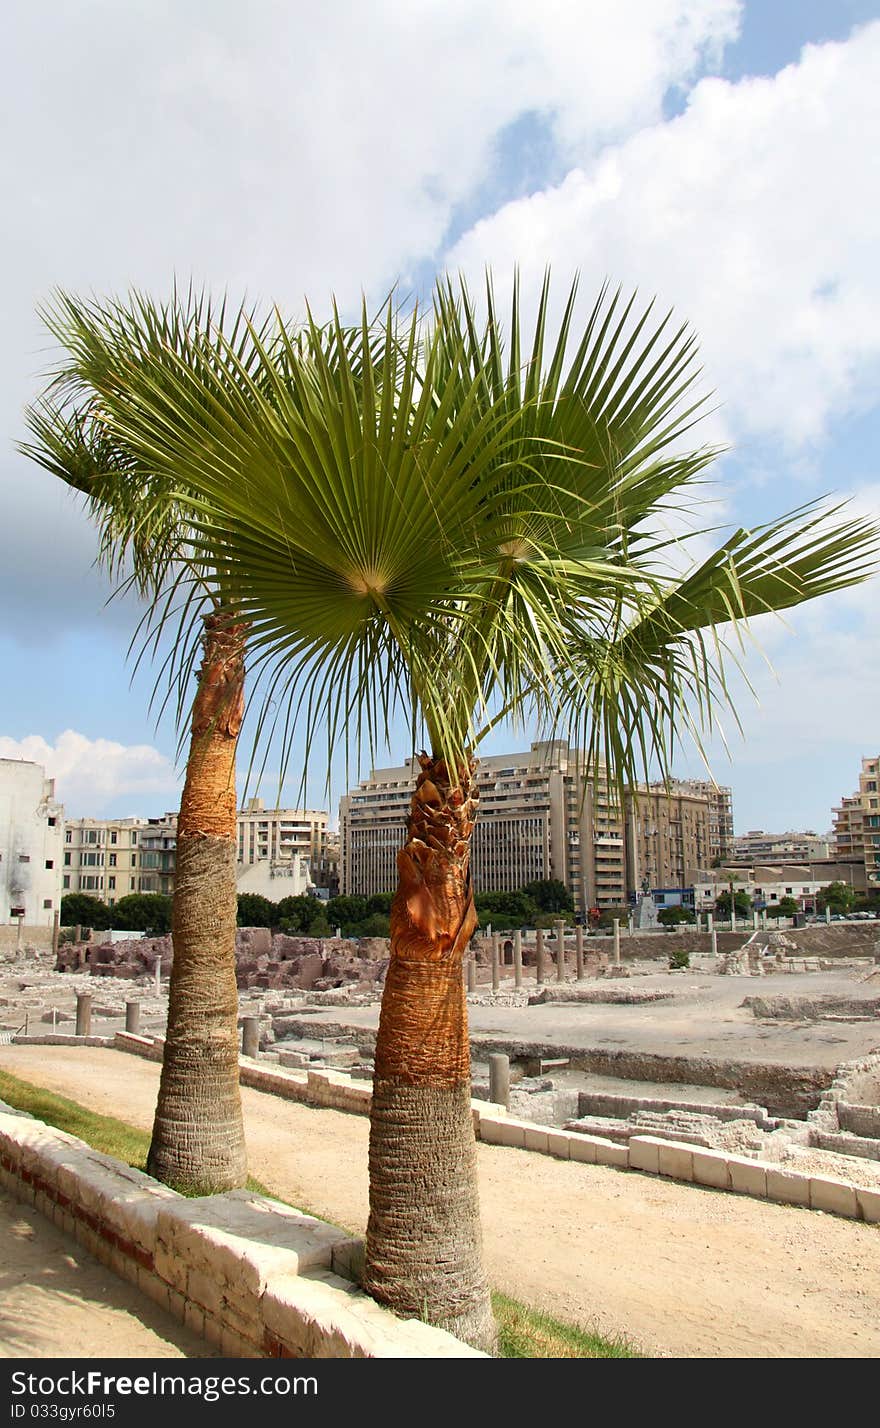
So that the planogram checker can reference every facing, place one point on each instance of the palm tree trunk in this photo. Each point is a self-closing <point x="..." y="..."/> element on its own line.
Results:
<point x="198" y="1134"/>
<point x="424" y="1240"/>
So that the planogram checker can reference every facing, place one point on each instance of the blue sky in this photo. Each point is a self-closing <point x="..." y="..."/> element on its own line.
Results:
<point x="721" y="155"/>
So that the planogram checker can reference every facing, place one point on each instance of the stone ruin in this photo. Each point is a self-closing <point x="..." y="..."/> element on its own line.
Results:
<point x="263" y="960"/>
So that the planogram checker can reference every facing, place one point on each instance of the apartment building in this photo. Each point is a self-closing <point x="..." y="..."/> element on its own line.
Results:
<point x="537" y="819"/>
<point x="757" y="846"/>
<point x="857" y="822"/>
<point x="102" y="857"/>
<point x="31" y="844"/>
<point x="282" y="852"/>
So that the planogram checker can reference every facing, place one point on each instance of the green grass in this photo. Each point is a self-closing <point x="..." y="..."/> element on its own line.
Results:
<point x="523" y="1333"/>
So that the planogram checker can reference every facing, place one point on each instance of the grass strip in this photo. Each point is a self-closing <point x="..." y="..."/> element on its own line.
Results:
<point x="524" y="1333"/>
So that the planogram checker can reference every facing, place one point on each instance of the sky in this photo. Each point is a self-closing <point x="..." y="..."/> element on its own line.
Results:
<point x="717" y="154"/>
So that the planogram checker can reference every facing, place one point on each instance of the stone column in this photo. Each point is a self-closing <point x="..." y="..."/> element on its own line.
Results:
<point x="83" y="1013"/>
<point x="133" y="1017"/>
<point x="250" y="1035"/>
<point x="496" y="971"/>
<point x="755" y="918"/>
<point x="77" y="933"/>
<point x="471" y="971"/>
<point x="499" y="1079"/>
<point x="158" y="972"/>
<point x="56" y="919"/>
<point x="560" y="949"/>
<point x="617" y="941"/>
<point x="827" y="912"/>
<point x="517" y="958"/>
<point x="714" y="943"/>
<point x="579" y="951"/>
<point x="630" y="922"/>
<point x="539" y="955"/>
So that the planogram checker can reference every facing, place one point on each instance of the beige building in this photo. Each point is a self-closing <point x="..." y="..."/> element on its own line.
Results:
<point x="536" y="820"/>
<point x="102" y="857"/>
<point x="857" y="822"/>
<point x="282" y="852"/>
<point x="760" y="847"/>
<point x="31" y="844"/>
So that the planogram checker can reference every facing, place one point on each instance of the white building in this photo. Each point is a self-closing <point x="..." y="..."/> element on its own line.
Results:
<point x="31" y="844"/>
<point x="280" y="850"/>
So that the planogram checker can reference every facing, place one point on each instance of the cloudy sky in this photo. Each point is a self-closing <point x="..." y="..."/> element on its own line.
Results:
<point x="721" y="154"/>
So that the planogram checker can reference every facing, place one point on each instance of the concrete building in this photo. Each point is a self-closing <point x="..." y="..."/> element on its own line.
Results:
<point x="280" y="850"/>
<point x="31" y="844"/>
<point x="536" y="820"/>
<point x="760" y="847"/>
<point x="720" y="800"/>
<point x="768" y="883"/>
<point x="102" y="857"/>
<point x="158" y="855"/>
<point x="857" y="823"/>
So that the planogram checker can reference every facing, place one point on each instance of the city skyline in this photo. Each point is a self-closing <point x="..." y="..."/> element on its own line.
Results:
<point x="736" y="127"/>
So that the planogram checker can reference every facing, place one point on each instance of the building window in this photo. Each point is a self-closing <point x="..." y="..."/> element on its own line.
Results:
<point x="112" y="860"/>
<point x="68" y="836"/>
<point x="67" y="882"/>
<point x="24" y="857"/>
<point x="47" y="902"/>
<point x="52" y="822"/>
<point x="16" y="912"/>
<point x="113" y="837"/>
<point x="111" y="883"/>
<point x="50" y="863"/>
<point x="67" y="860"/>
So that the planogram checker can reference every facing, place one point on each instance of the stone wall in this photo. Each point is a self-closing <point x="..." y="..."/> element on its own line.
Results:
<point x="255" y="1277"/>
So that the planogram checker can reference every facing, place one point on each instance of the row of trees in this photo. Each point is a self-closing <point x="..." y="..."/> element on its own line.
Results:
<point x="436" y="518"/>
<point x="137" y="912"/>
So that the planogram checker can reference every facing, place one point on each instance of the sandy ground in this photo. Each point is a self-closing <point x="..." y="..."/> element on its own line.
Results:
<point x="56" y="1301"/>
<point x="677" y="1269"/>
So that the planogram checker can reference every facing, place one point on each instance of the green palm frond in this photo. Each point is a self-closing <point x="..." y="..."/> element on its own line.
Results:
<point x="437" y="515"/>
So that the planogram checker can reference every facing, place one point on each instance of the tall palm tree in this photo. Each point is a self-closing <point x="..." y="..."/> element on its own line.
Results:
<point x="125" y="348"/>
<point x="464" y="534"/>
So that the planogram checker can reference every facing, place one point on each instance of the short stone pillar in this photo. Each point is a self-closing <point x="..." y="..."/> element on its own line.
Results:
<point x="630" y="924"/>
<point x="755" y="918"/>
<point x="496" y="970"/>
<point x="250" y="1035"/>
<point x="133" y="1017"/>
<point x="617" y="941"/>
<point x="710" y="921"/>
<point x="471" y="972"/>
<point x="560" y="949"/>
<point x="499" y="1079"/>
<point x="714" y="943"/>
<point x="517" y="958"/>
<point x="157" y="970"/>
<point x="83" y="1013"/>
<point x="56" y="919"/>
<point x="539" y="955"/>
<point x="579" y="951"/>
<point x="77" y="933"/>
<point x="827" y="913"/>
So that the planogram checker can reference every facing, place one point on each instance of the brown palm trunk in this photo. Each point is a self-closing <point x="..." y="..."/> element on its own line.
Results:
<point x="424" y="1240"/>
<point x="198" y="1134"/>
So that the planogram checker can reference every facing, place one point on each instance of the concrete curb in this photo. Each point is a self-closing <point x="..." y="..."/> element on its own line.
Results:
<point x="254" y="1277"/>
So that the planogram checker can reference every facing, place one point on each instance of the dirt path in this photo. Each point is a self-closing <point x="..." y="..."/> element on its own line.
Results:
<point x="56" y="1301"/>
<point x="676" y="1268"/>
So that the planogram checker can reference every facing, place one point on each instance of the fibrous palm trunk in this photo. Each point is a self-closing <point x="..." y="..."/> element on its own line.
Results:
<point x="198" y="1134"/>
<point x="424" y="1240"/>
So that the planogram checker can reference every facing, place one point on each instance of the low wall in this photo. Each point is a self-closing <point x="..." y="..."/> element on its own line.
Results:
<point x="337" y="1091"/>
<point x="254" y="1277"/>
<point x="40" y="938"/>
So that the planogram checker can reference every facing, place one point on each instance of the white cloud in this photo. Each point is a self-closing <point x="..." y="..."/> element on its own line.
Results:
<point x="90" y="773"/>
<point x="756" y="213"/>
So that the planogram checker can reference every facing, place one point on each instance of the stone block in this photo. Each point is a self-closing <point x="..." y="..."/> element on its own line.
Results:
<point x="558" y="1143"/>
<point x="347" y="1260"/>
<point x="582" y="1147"/>
<point x="490" y="1129"/>
<point x="676" y="1160"/>
<point x="241" y="1238"/>
<point x="610" y="1152"/>
<point x="869" y="1205"/>
<point x="789" y="1187"/>
<point x="536" y="1138"/>
<point x="837" y="1197"/>
<point x="512" y="1132"/>
<point x="711" y="1168"/>
<point x="644" y="1153"/>
<point x="749" y="1177"/>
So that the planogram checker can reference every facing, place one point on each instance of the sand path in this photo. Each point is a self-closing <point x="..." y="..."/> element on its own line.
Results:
<point x="678" y="1269"/>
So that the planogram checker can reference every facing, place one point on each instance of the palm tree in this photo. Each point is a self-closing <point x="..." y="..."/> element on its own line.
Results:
<point x="461" y="535"/>
<point x="198" y="1136"/>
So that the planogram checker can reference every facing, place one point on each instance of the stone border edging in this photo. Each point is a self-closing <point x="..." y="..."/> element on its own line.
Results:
<point x="253" y="1276"/>
<point x="764" y="1180"/>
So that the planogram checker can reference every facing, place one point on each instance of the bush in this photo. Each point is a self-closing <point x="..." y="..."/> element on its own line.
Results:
<point x="78" y="909"/>
<point x="672" y="917"/>
<point x="679" y="957"/>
